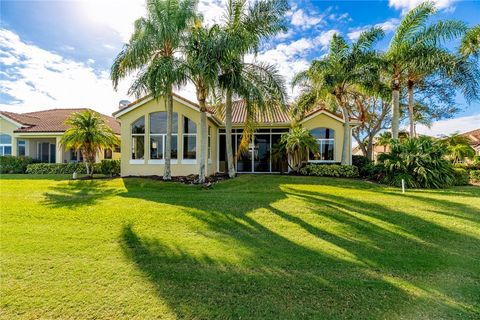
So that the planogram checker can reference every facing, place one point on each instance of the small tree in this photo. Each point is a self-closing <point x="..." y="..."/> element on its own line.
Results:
<point x="458" y="148"/>
<point x="89" y="134"/>
<point x="297" y="144"/>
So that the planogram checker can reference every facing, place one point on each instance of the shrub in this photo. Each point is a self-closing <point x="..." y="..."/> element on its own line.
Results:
<point x="10" y="164"/>
<point x="334" y="170"/>
<point x="110" y="167"/>
<point x="363" y="164"/>
<point x="475" y="176"/>
<point x="59" y="168"/>
<point x="461" y="177"/>
<point x="419" y="161"/>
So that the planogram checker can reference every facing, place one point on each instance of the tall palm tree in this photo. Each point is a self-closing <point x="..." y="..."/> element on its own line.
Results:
<point x="338" y="76"/>
<point x="88" y="133"/>
<point x="244" y="28"/>
<point x="384" y="139"/>
<point x="154" y="53"/>
<point x="412" y="36"/>
<point x="203" y="55"/>
<point x="471" y="42"/>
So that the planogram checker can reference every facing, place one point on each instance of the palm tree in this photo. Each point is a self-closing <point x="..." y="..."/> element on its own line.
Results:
<point x="384" y="139"/>
<point x="89" y="134"/>
<point x="408" y="46"/>
<point x="244" y="29"/>
<point x="338" y="76"/>
<point x="458" y="147"/>
<point x="297" y="143"/>
<point x="154" y="53"/>
<point x="471" y="42"/>
<point x="202" y="56"/>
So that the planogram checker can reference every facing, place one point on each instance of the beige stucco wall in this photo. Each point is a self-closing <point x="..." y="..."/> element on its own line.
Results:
<point x="323" y="120"/>
<point x="179" y="166"/>
<point x="6" y="127"/>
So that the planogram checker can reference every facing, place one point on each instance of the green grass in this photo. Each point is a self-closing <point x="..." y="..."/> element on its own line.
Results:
<point x="273" y="247"/>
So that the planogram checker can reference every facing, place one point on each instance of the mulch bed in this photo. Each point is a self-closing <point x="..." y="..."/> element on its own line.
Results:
<point x="191" y="179"/>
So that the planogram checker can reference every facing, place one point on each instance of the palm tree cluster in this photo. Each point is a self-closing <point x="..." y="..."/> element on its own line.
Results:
<point x="172" y="45"/>
<point x="376" y="87"/>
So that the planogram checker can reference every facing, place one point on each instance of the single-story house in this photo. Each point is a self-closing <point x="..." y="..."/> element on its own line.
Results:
<point x="38" y="134"/>
<point x="474" y="137"/>
<point x="143" y="131"/>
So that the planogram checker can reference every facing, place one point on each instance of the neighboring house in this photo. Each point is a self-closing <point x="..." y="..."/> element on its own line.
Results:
<point x="143" y="124"/>
<point x="377" y="150"/>
<point x="474" y="137"/>
<point x="38" y="134"/>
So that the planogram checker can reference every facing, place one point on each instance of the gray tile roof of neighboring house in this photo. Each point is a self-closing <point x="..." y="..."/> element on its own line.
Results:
<point x="52" y="120"/>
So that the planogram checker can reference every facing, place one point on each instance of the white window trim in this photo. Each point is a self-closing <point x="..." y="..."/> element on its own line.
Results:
<point x="137" y="161"/>
<point x="132" y="149"/>
<point x="320" y="147"/>
<point x="3" y="145"/>
<point x="164" y="139"/>
<point x="162" y="161"/>
<point x="189" y="161"/>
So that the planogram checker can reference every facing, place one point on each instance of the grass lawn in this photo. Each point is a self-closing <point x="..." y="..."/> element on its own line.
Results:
<point x="273" y="247"/>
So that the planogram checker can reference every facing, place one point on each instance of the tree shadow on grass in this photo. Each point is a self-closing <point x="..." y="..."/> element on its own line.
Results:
<point x="384" y="264"/>
<point x="77" y="193"/>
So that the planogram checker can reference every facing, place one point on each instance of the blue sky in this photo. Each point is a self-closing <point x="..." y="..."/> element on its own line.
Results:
<point x="57" y="54"/>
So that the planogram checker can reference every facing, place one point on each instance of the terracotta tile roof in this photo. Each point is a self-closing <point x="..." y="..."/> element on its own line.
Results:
<point x="239" y="114"/>
<point x="52" y="120"/>
<point x="474" y="136"/>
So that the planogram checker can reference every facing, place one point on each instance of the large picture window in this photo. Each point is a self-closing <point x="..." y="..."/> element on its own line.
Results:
<point x="158" y="134"/>
<point x="189" y="139"/>
<point x="326" y="144"/>
<point x="138" y="138"/>
<point x="5" y="145"/>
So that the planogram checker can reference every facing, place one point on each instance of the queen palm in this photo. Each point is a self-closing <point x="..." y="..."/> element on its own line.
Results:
<point x="408" y="44"/>
<point x="338" y="76"/>
<point x="244" y="28"/>
<point x="458" y="147"/>
<point x="202" y="56"/>
<point x="471" y="42"/>
<point x="154" y="53"/>
<point x="88" y="133"/>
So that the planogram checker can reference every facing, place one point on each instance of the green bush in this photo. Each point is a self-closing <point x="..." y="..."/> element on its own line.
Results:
<point x="363" y="164"/>
<point x="419" y="161"/>
<point x="475" y="176"/>
<point x="325" y="170"/>
<point x="10" y="164"/>
<point x="59" y="168"/>
<point x="110" y="167"/>
<point x="461" y="177"/>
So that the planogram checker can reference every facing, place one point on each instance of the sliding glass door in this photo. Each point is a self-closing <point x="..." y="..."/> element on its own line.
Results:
<point x="46" y="152"/>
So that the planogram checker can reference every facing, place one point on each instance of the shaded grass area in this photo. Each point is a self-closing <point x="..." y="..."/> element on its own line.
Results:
<point x="272" y="247"/>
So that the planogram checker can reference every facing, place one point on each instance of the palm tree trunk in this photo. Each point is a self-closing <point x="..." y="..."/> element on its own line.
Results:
<point x="395" y="109"/>
<point x="228" y="134"/>
<point x="203" y="143"/>
<point x="410" y="109"/>
<point x="167" y="173"/>
<point x="346" y="137"/>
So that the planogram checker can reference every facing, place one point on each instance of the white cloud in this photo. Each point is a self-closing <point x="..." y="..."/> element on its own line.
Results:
<point x="304" y="20"/>
<point x="325" y="37"/>
<point x="388" y="26"/>
<point x="406" y="5"/>
<point x="38" y="79"/>
<point x="449" y="126"/>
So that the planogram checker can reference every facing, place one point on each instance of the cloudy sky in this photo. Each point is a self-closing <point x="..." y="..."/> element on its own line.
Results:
<point x="57" y="54"/>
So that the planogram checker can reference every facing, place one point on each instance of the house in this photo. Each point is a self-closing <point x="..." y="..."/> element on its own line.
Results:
<point x="143" y="131"/>
<point x="474" y="137"/>
<point x="38" y="134"/>
<point x="376" y="149"/>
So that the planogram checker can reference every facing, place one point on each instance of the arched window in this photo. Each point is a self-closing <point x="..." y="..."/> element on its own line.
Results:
<point x="189" y="139"/>
<point x="138" y="138"/>
<point x="5" y="145"/>
<point x="326" y="144"/>
<point x="158" y="133"/>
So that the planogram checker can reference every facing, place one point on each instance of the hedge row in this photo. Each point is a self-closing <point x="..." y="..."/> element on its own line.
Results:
<point x="334" y="170"/>
<point x="10" y="164"/>
<point x="475" y="176"/>
<point x="59" y="168"/>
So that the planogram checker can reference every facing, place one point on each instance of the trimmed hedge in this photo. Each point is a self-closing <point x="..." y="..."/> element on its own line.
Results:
<point x="110" y="167"/>
<point x="11" y="164"/>
<point x="461" y="177"/>
<point x="363" y="164"/>
<point x="475" y="176"/>
<point x="59" y="168"/>
<point x="325" y="170"/>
